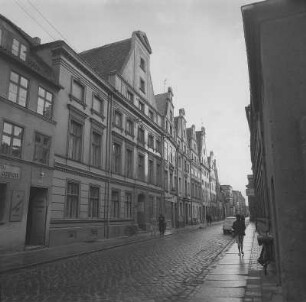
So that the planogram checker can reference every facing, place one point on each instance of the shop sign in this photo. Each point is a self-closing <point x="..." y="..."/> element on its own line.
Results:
<point x="8" y="171"/>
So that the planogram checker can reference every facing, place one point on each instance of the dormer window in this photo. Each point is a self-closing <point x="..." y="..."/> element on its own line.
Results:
<point x="143" y="64"/>
<point x="19" y="50"/>
<point x="142" y="85"/>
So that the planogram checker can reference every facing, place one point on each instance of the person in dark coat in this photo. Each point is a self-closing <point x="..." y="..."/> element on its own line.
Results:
<point x="239" y="232"/>
<point x="161" y="224"/>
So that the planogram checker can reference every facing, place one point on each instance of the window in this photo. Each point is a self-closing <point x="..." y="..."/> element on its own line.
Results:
<point x="97" y="105"/>
<point x="116" y="158"/>
<point x="19" y="50"/>
<point x="129" y="163"/>
<point x="72" y="205"/>
<point x="0" y="36"/>
<point x="93" y="206"/>
<point x="130" y="96"/>
<point x="151" y="115"/>
<point x="166" y="180"/>
<point x="171" y="181"/>
<point x="158" y="146"/>
<point x="75" y="140"/>
<point x="171" y="116"/>
<point x="151" y="172"/>
<point x="115" y="205"/>
<point x="142" y="64"/>
<point x="96" y="149"/>
<point x="151" y="141"/>
<point x="18" y="89"/>
<point x="141" y="136"/>
<point x="11" y="142"/>
<point x="78" y="91"/>
<point x="142" y="85"/>
<point x="141" y="106"/>
<point x="140" y="171"/>
<point x="128" y="205"/>
<point x="180" y="185"/>
<point x="42" y="148"/>
<point x="158" y="173"/>
<point x="118" y="119"/>
<point x="129" y="127"/>
<point x="45" y="102"/>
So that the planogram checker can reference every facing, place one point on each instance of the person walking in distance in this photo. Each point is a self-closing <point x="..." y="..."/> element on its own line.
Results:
<point x="239" y="233"/>
<point x="161" y="224"/>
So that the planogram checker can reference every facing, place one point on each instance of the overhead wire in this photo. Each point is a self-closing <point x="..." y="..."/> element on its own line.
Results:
<point x="29" y="15"/>
<point x="41" y="14"/>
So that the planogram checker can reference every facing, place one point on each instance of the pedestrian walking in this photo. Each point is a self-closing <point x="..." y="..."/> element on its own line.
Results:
<point x="161" y="224"/>
<point x="208" y="219"/>
<point x="153" y="226"/>
<point x="239" y="233"/>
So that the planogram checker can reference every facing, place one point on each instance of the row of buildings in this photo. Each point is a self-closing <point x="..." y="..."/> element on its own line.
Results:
<point x="88" y="149"/>
<point x="276" y="47"/>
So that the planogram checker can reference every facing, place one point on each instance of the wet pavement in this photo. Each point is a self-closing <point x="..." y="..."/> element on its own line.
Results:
<point x="195" y="265"/>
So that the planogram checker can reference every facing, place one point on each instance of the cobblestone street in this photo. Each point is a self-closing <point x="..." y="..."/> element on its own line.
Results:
<point x="163" y="269"/>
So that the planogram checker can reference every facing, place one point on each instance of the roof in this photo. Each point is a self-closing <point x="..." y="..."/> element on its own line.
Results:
<point x="108" y="58"/>
<point x="161" y="103"/>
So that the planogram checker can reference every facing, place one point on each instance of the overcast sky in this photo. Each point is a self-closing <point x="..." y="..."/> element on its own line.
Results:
<point x="198" y="48"/>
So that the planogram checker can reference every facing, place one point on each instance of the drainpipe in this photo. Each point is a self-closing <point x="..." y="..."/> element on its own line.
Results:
<point x="108" y="164"/>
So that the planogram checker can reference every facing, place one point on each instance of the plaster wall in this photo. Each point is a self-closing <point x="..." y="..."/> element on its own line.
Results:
<point x="283" y="47"/>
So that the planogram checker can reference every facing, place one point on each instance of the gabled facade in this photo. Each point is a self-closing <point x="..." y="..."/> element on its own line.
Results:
<point x="136" y="138"/>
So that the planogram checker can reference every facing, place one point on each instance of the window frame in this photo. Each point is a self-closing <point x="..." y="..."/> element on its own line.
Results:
<point x="35" y="145"/>
<point x="93" y="199"/>
<point x="128" y="205"/>
<point x="140" y="172"/>
<point x="73" y="118"/>
<point x="68" y="206"/>
<point x="120" y="115"/>
<point x="142" y="85"/>
<point x="151" y="141"/>
<point x="130" y="133"/>
<point x="141" y="106"/>
<point x="12" y="138"/>
<point x="119" y="164"/>
<point x="45" y="101"/>
<point x="141" y="139"/>
<point x="20" y="50"/>
<point x="129" y="168"/>
<point x="99" y="99"/>
<point x="79" y="83"/>
<point x="115" y="210"/>
<point x="19" y="86"/>
<point x="93" y="131"/>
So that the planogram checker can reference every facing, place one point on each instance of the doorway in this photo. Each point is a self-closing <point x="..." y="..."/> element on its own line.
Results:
<point x="36" y="219"/>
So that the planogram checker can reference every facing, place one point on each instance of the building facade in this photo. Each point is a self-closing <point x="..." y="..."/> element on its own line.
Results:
<point x="88" y="151"/>
<point x="275" y="49"/>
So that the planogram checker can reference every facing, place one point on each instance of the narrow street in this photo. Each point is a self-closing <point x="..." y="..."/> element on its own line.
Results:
<point x="162" y="269"/>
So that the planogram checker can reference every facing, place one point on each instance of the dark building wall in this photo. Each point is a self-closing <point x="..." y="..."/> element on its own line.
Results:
<point x="283" y="60"/>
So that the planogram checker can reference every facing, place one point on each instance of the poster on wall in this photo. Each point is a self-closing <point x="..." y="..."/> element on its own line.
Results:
<point x="17" y="206"/>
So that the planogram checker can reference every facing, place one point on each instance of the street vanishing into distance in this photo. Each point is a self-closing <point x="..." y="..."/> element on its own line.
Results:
<point x="162" y="269"/>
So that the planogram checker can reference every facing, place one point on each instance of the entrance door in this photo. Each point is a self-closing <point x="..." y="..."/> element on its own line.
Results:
<point x="36" y="221"/>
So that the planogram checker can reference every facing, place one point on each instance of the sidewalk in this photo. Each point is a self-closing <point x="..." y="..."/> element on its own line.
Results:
<point x="32" y="257"/>
<point x="236" y="278"/>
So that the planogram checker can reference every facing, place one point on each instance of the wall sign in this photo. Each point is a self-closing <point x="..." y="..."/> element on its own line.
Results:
<point x="8" y="171"/>
<point x="17" y="205"/>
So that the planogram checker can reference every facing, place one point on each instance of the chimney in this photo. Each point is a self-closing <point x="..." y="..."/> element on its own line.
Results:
<point x="37" y="41"/>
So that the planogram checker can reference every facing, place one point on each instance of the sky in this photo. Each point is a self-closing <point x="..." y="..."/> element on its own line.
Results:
<point x="198" y="49"/>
